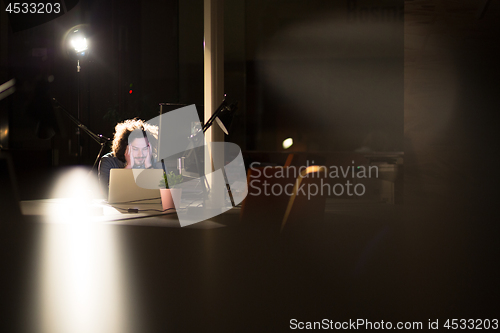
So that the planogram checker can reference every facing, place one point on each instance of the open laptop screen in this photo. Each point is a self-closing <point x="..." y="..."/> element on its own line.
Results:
<point x="123" y="188"/>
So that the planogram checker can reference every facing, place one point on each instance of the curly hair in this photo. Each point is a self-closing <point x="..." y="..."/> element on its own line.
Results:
<point x="136" y="128"/>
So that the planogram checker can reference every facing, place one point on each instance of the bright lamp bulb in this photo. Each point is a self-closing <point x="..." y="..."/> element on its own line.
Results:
<point x="287" y="143"/>
<point x="79" y="44"/>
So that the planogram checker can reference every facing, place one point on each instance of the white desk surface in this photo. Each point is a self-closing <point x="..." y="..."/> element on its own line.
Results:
<point x="64" y="210"/>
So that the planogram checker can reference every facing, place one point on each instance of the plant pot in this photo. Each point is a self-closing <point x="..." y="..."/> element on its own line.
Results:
<point x="169" y="196"/>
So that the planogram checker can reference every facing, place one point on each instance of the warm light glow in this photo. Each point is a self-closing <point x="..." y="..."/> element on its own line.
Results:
<point x="79" y="44"/>
<point x="83" y="284"/>
<point x="78" y="189"/>
<point x="287" y="143"/>
<point x="76" y="183"/>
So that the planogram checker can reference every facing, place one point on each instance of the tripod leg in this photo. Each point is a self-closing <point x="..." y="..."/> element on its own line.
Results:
<point x="228" y="187"/>
<point x="98" y="156"/>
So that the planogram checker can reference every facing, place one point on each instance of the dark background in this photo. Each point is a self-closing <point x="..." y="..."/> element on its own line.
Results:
<point x="335" y="76"/>
<point x="328" y="74"/>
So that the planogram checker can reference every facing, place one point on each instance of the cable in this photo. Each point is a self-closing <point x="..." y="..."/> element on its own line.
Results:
<point x="136" y="210"/>
<point x="132" y="201"/>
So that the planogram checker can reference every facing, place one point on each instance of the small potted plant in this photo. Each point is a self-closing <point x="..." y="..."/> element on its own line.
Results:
<point x="167" y="192"/>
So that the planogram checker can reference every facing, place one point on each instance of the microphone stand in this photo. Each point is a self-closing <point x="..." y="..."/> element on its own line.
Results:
<point x="180" y="162"/>
<point x="205" y="127"/>
<point x="223" y="106"/>
<point x="99" y="138"/>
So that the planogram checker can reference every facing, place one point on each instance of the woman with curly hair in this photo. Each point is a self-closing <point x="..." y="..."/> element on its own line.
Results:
<point x="134" y="146"/>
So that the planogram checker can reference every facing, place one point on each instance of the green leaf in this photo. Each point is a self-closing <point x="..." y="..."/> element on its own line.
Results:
<point x="170" y="180"/>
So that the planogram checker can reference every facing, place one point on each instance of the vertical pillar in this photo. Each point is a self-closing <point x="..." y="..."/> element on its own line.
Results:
<point x="214" y="87"/>
<point x="214" y="63"/>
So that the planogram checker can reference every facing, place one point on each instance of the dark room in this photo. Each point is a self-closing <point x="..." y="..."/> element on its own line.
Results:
<point x="249" y="165"/>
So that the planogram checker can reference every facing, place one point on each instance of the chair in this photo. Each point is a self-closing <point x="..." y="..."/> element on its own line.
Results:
<point x="289" y="160"/>
<point x="304" y="204"/>
<point x="280" y="196"/>
<point x="265" y="202"/>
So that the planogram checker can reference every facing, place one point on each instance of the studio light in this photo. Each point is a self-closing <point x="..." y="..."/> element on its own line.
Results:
<point x="79" y="42"/>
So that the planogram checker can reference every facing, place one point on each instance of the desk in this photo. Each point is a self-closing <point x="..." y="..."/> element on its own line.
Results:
<point x="63" y="210"/>
<point x="366" y="260"/>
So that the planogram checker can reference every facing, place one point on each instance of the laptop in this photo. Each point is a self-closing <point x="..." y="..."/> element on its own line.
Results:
<point x="124" y="189"/>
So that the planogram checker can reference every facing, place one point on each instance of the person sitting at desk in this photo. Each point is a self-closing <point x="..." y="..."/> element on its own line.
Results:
<point x="131" y="148"/>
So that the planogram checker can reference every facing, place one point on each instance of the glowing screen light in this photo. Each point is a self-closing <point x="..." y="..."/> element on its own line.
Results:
<point x="287" y="143"/>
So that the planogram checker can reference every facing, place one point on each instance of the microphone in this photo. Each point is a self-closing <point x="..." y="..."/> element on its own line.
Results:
<point x="225" y="117"/>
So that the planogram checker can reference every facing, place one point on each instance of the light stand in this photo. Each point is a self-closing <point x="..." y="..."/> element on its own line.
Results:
<point x="79" y="44"/>
<point x="79" y="146"/>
